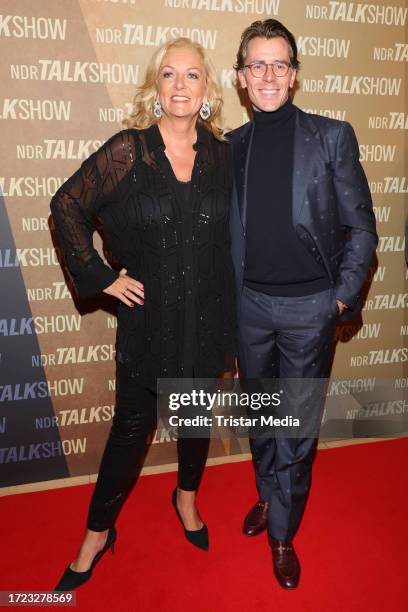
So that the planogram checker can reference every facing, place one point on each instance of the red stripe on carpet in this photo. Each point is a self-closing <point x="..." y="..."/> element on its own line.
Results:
<point x="352" y="542"/>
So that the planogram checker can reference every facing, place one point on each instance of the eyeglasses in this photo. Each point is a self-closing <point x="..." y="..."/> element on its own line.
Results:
<point x="258" y="69"/>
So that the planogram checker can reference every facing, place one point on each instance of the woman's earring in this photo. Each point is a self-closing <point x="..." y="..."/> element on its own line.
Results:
<point x="157" y="109"/>
<point x="205" y="111"/>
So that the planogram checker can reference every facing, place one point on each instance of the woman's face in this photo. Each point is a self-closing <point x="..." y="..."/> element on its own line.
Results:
<point x="181" y="83"/>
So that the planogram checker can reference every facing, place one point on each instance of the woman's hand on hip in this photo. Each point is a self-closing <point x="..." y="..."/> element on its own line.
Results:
<point x="126" y="289"/>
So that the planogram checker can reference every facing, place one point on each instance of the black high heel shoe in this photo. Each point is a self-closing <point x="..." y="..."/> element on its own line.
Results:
<point x="71" y="580"/>
<point x="198" y="537"/>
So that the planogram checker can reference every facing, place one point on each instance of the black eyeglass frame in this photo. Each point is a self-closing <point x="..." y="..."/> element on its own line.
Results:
<point x="265" y="64"/>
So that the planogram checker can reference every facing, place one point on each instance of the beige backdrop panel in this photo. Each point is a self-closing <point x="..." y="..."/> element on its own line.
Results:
<point x="69" y="70"/>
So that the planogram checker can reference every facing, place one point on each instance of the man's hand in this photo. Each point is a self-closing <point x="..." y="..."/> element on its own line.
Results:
<point x="341" y="306"/>
<point x="126" y="289"/>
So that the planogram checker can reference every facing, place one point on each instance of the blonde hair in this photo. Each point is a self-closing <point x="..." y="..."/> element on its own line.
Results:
<point x="142" y="115"/>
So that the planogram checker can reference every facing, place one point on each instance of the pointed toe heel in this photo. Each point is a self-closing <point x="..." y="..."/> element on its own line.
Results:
<point x="198" y="537"/>
<point x="71" y="580"/>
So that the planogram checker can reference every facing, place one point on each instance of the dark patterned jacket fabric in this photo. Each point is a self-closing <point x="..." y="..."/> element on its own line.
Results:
<point x="128" y="186"/>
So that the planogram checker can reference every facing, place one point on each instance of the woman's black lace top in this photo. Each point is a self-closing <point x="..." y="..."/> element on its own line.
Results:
<point x="129" y="187"/>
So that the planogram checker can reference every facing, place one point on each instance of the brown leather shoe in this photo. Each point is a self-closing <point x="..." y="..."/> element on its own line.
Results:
<point x="257" y="519"/>
<point x="286" y="565"/>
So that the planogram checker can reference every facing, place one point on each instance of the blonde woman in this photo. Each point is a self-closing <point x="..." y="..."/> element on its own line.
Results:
<point x="161" y="190"/>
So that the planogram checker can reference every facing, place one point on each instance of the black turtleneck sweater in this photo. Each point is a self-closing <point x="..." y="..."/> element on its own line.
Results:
<point x="276" y="261"/>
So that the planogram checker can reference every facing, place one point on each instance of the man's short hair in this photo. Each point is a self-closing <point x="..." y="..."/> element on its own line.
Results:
<point x="269" y="28"/>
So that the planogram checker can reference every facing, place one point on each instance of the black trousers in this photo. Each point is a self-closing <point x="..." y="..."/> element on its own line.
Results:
<point x="134" y="418"/>
<point x="292" y="337"/>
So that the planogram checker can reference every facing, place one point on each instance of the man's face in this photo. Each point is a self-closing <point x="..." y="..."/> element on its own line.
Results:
<point x="269" y="92"/>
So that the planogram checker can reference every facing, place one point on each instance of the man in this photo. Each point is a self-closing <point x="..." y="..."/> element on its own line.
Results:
<point x="303" y="235"/>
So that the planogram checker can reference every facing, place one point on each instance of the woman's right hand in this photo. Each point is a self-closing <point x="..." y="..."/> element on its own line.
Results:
<point x="126" y="289"/>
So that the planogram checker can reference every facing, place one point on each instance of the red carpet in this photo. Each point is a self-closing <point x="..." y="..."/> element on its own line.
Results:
<point x="351" y="544"/>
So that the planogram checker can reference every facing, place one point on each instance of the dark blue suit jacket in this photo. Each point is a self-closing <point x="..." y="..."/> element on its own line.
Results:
<point x="332" y="209"/>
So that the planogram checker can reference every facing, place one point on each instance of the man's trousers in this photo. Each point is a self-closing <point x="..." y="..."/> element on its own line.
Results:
<point x="291" y="336"/>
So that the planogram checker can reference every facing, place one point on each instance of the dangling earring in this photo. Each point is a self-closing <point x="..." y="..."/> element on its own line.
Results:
<point x="205" y="111"/>
<point x="157" y="109"/>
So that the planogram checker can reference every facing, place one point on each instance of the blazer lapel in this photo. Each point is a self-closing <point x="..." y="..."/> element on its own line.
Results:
<point x="242" y="154"/>
<point x="304" y="157"/>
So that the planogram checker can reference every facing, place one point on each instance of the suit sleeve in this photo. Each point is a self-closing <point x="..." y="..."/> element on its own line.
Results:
<point x="356" y="214"/>
<point x="75" y="208"/>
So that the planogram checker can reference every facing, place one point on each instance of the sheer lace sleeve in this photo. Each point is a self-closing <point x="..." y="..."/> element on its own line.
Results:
<point x="76" y="204"/>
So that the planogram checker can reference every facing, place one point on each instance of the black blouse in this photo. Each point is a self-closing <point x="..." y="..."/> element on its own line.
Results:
<point x="172" y="244"/>
<point x="190" y="333"/>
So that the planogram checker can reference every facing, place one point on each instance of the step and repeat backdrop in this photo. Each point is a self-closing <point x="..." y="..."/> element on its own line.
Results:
<point x="68" y="73"/>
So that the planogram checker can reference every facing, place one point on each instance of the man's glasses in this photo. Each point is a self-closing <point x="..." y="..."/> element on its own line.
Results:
<point x="258" y="69"/>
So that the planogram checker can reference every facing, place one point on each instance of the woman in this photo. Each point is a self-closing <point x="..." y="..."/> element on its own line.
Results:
<point x="161" y="191"/>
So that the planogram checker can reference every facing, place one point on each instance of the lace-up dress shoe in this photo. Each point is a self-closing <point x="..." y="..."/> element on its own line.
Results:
<point x="286" y="565"/>
<point x="257" y="519"/>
